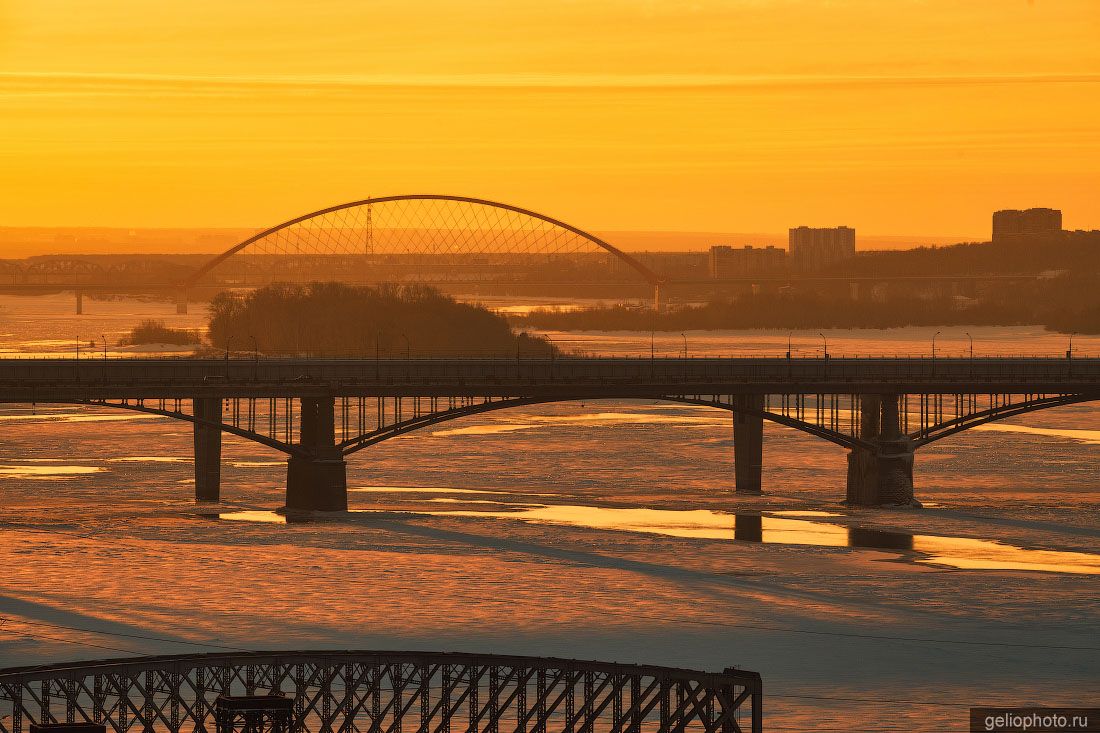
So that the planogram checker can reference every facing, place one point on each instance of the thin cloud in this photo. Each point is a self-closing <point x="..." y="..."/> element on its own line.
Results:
<point x="90" y="82"/>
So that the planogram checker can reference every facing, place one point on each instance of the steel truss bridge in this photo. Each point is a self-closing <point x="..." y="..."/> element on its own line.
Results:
<point x="385" y="692"/>
<point x="320" y="411"/>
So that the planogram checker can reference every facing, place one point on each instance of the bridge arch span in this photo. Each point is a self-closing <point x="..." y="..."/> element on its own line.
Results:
<point x="984" y="417"/>
<point x="461" y="225"/>
<point x="404" y="427"/>
<point x="288" y="448"/>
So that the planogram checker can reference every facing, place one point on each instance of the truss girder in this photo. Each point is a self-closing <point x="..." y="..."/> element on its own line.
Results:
<point x="379" y="692"/>
<point x="361" y="422"/>
<point x="433" y="237"/>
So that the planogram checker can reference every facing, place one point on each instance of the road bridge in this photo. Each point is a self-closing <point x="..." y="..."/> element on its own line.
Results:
<point x="320" y="411"/>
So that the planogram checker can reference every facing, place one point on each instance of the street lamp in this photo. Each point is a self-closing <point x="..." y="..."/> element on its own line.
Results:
<point x="1069" y="351"/>
<point x="788" y="354"/>
<point x="228" y="341"/>
<point x="685" y="344"/>
<point x="377" y="353"/>
<point x="826" y="342"/>
<point x="104" y="337"/>
<point x="408" y="347"/>
<point x="937" y="333"/>
<point x="652" y="353"/>
<point x="255" y="357"/>
<point x="971" y="352"/>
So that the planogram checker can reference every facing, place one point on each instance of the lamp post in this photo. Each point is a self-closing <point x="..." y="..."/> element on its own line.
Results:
<point x="685" y="344"/>
<point x="255" y="357"/>
<point x="377" y="353"/>
<point x="937" y="333"/>
<point x="652" y="351"/>
<point x="1069" y="351"/>
<point x="826" y="342"/>
<point x="971" y="352"/>
<point x="788" y="354"/>
<point x="228" y="342"/>
<point x="104" y="337"/>
<point x="408" y="347"/>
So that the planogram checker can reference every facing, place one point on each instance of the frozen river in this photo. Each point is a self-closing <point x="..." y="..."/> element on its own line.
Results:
<point x="605" y="530"/>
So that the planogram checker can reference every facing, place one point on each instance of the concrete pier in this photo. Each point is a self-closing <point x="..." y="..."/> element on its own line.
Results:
<point x="208" y="449"/>
<point x="318" y="480"/>
<point x="748" y="443"/>
<point x="884" y="475"/>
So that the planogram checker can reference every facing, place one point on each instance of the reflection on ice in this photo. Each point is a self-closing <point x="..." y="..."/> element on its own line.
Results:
<point x="51" y="471"/>
<point x="79" y="418"/>
<point x="1092" y="437"/>
<point x="956" y="552"/>
<point x="804" y="513"/>
<point x="422" y="490"/>
<point x="483" y="430"/>
<point x="250" y="516"/>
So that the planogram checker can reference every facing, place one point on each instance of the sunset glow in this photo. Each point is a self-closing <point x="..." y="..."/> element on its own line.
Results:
<point x="907" y="117"/>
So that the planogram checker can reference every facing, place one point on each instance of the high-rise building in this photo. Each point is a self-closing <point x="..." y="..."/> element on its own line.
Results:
<point x="1011" y="223"/>
<point x="726" y="262"/>
<point x="814" y="249"/>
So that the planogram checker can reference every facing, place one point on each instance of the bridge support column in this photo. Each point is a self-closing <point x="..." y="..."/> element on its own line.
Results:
<point x="318" y="480"/>
<point x="883" y="476"/>
<point x="208" y="449"/>
<point x="748" y="444"/>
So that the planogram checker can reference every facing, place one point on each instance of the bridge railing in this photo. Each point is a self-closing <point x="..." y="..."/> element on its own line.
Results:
<point x="309" y="374"/>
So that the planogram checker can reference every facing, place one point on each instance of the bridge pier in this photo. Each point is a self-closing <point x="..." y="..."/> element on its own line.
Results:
<point x="317" y="480"/>
<point x="884" y="475"/>
<point x="208" y="449"/>
<point x="748" y="444"/>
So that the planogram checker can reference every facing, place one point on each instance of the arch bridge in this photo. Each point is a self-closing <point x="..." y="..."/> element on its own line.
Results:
<point x="320" y="411"/>
<point x="436" y="238"/>
<point x="382" y="692"/>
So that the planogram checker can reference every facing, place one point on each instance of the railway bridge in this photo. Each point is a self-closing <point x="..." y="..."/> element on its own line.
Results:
<point x="376" y="692"/>
<point x="320" y="411"/>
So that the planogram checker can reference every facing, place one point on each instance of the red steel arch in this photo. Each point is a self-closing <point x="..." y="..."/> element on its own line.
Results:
<point x="649" y="275"/>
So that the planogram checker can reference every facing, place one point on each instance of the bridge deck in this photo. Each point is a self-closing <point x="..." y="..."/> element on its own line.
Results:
<point x="69" y="379"/>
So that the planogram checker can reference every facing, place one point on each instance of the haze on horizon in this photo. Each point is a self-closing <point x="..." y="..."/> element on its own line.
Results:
<point x="914" y="116"/>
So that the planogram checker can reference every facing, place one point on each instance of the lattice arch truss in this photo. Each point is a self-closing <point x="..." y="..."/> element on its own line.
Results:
<point x="423" y="238"/>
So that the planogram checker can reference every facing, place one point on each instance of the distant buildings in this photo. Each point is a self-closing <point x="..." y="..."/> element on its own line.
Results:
<point x="812" y="249"/>
<point x="727" y="262"/>
<point x="1011" y="223"/>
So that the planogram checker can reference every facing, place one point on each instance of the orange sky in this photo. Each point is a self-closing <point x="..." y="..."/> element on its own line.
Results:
<point x="893" y="116"/>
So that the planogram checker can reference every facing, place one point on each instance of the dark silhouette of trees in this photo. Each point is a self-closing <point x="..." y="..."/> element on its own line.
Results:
<point x="1067" y="302"/>
<point x="333" y="319"/>
<point x="156" y="332"/>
